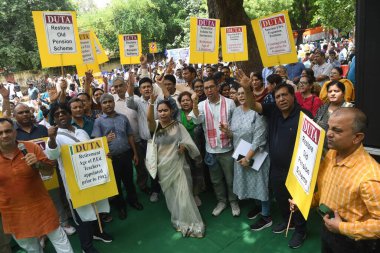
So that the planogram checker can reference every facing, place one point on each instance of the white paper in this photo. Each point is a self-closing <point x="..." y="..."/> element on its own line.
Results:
<point x="243" y="148"/>
<point x="275" y="35"/>
<point x="87" y="54"/>
<point x="234" y="37"/>
<point x="59" y="29"/>
<point x="206" y="32"/>
<point x="131" y="45"/>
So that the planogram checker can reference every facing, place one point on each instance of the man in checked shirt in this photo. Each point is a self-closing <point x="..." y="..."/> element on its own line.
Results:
<point x="348" y="184"/>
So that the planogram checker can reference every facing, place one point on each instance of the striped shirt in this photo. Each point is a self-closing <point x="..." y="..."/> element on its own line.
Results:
<point x="352" y="187"/>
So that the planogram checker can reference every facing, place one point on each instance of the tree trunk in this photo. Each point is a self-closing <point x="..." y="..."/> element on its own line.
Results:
<point x="232" y="13"/>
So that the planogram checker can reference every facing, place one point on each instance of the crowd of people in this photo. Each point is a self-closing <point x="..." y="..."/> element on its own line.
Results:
<point x="196" y="116"/>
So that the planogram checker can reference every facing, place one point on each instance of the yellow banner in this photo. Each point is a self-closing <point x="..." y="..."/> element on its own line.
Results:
<point x="153" y="48"/>
<point x="130" y="48"/>
<point x="274" y="37"/>
<point x="234" y="43"/>
<point x="50" y="182"/>
<point x="303" y="171"/>
<point x="101" y="56"/>
<point x="90" y="54"/>
<point x="89" y="173"/>
<point x="204" y="40"/>
<point x="57" y="38"/>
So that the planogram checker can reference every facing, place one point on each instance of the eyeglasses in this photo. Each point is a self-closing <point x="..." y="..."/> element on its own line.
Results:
<point x="303" y="83"/>
<point x="198" y="88"/>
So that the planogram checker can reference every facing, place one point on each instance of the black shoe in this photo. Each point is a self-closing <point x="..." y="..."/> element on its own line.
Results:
<point x="106" y="217"/>
<point x="297" y="240"/>
<point x="281" y="227"/>
<point x="263" y="222"/>
<point x="253" y="213"/>
<point x="137" y="205"/>
<point x="122" y="214"/>
<point x="103" y="237"/>
<point x="92" y="250"/>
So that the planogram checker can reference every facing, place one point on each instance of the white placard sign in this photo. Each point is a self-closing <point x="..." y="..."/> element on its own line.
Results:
<point x="60" y="33"/>
<point x="90" y="164"/>
<point x="307" y="153"/>
<point x="206" y="32"/>
<point x="131" y="45"/>
<point x="85" y="44"/>
<point x="275" y="35"/>
<point x="234" y="36"/>
<point x="97" y="47"/>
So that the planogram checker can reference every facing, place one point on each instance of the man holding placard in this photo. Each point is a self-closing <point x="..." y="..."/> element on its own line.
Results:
<point x="62" y="134"/>
<point x="283" y="117"/>
<point x="348" y="188"/>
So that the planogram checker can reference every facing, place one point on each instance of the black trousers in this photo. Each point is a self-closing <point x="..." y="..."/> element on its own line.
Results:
<point x="154" y="184"/>
<point x="86" y="231"/>
<point x="337" y="243"/>
<point x="123" y="168"/>
<point x="282" y="195"/>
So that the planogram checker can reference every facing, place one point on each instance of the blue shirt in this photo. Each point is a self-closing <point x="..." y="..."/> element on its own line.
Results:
<point x="117" y="124"/>
<point x="37" y="131"/>
<point x="294" y="70"/>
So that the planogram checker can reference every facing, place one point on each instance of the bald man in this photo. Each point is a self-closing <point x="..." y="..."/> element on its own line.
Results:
<point x="349" y="185"/>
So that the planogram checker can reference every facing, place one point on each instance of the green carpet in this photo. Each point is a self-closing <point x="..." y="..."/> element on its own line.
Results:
<point x="150" y="231"/>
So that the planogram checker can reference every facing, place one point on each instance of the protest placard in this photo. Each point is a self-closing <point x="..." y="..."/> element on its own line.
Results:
<point x="204" y="40"/>
<point x="50" y="182"/>
<point x="57" y="38"/>
<point x="153" y="48"/>
<point x="130" y="48"/>
<point x="303" y="171"/>
<point x="234" y="43"/>
<point x="274" y="39"/>
<point x="89" y="172"/>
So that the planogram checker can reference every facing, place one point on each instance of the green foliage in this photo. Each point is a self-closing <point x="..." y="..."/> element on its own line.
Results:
<point x="338" y="14"/>
<point x="259" y="8"/>
<point x="18" y="44"/>
<point x="163" y="21"/>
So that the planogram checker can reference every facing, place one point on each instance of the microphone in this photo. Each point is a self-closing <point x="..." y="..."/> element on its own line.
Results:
<point x="23" y="150"/>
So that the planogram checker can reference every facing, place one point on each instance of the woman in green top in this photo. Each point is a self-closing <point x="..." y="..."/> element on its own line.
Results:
<point x="196" y="133"/>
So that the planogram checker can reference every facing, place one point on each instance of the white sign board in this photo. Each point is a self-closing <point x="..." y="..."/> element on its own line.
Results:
<point x="206" y="32"/>
<point x="90" y="166"/>
<point x="60" y="33"/>
<point x="235" y="43"/>
<point x="131" y="45"/>
<point x="87" y="53"/>
<point x="307" y="153"/>
<point x="275" y="35"/>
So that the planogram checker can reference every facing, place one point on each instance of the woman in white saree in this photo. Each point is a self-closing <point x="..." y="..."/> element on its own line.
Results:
<point x="174" y="173"/>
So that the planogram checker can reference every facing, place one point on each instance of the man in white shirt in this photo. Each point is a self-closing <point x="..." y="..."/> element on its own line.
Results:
<point x="212" y="113"/>
<point x="121" y="107"/>
<point x="321" y="68"/>
<point x="85" y="216"/>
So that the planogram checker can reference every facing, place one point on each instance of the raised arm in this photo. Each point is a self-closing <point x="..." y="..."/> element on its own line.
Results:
<point x="150" y="113"/>
<point x="245" y="82"/>
<point x="6" y="105"/>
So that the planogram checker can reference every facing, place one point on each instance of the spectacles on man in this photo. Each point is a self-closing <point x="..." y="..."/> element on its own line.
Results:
<point x="58" y="113"/>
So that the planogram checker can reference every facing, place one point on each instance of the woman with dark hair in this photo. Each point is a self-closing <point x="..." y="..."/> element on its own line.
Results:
<point x="336" y="75"/>
<point x="225" y="90"/>
<point x="199" y="89"/>
<point x="259" y="91"/>
<point x="305" y="98"/>
<point x="316" y="87"/>
<point x="335" y="96"/>
<point x="174" y="173"/>
<point x="273" y="80"/>
<point x="233" y="92"/>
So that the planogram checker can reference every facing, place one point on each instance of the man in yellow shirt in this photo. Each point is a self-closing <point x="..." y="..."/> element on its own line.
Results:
<point x="348" y="185"/>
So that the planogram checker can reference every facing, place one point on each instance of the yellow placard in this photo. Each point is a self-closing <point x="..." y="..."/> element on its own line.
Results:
<point x="101" y="56"/>
<point x="57" y="38"/>
<point x="204" y="40"/>
<point x="130" y="48"/>
<point x="50" y="182"/>
<point x="274" y="39"/>
<point x="234" y="43"/>
<point x="153" y="48"/>
<point x="89" y="54"/>
<point x="86" y="173"/>
<point x="303" y="171"/>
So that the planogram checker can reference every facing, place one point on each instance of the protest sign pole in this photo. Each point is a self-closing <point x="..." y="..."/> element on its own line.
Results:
<point x="62" y="72"/>
<point x="290" y="219"/>
<point x="97" y="216"/>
